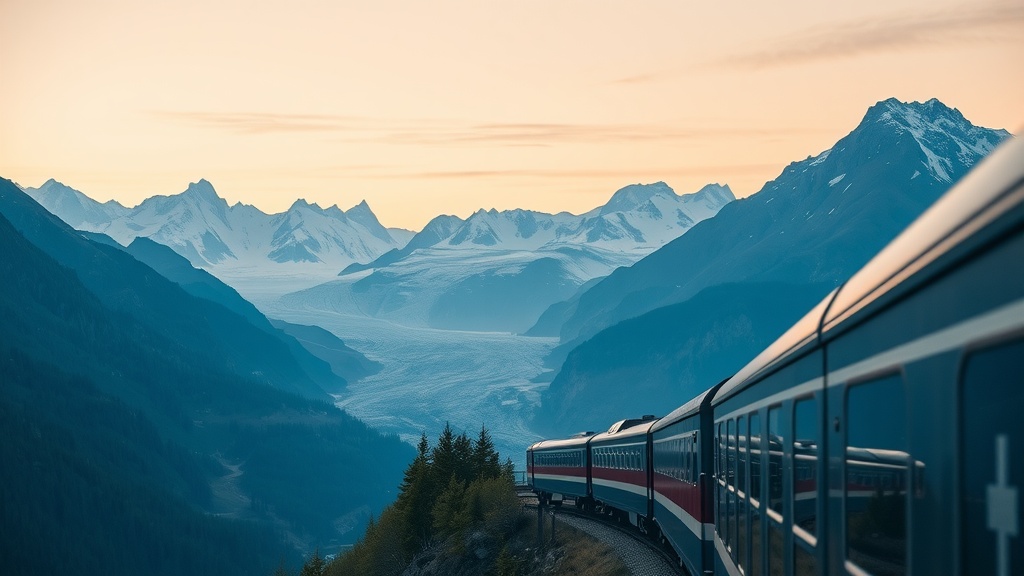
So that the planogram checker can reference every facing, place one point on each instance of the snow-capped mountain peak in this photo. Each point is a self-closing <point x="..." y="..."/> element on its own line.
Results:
<point x="203" y="191"/>
<point x="944" y="135"/>
<point x="636" y="195"/>
<point x="74" y="207"/>
<point x="364" y="216"/>
<point x="200" y="225"/>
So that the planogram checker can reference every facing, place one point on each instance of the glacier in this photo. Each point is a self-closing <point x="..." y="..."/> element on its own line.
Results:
<point x="430" y="377"/>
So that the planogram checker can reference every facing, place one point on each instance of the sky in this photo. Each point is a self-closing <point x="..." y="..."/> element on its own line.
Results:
<point x="448" y="106"/>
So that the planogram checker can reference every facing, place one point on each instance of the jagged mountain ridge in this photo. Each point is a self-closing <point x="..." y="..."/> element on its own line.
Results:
<point x="497" y="271"/>
<point x="636" y="216"/>
<point x="201" y="226"/>
<point x="73" y="207"/>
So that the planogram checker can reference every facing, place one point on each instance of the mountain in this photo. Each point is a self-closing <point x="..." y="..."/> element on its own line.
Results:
<point x="75" y="208"/>
<point x="497" y="271"/>
<point x="690" y="314"/>
<point x="126" y="285"/>
<point x="147" y="447"/>
<point x="82" y="468"/>
<point x="343" y="360"/>
<point x="306" y="242"/>
<point x="817" y="222"/>
<point x="320" y="362"/>
<point x="661" y="359"/>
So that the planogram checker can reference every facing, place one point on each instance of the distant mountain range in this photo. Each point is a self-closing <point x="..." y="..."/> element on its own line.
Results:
<point x="160" y="426"/>
<point x="497" y="271"/>
<point x="201" y="226"/>
<point x="802" y="234"/>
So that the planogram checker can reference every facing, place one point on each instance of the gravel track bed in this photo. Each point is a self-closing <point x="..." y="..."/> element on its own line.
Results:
<point x="638" y="557"/>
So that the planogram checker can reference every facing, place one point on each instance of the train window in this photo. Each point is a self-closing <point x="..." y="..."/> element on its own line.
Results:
<point x="720" y="467"/>
<point x="754" y="449"/>
<point x="741" y="453"/>
<point x="992" y="469"/>
<point x="691" y="461"/>
<point x="730" y="464"/>
<point x="730" y="458"/>
<point x="805" y="465"/>
<point x="741" y="477"/>
<point x="773" y="450"/>
<point x="876" y="476"/>
<point x="695" y="458"/>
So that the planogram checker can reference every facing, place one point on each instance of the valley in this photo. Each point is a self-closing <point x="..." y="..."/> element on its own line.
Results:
<point x="435" y="376"/>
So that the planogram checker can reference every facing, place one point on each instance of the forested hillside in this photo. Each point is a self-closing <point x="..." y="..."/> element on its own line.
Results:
<point x="125" y="438"/>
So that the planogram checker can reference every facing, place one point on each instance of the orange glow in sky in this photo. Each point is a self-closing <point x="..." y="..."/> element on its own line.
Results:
<point x="447" y="106"/>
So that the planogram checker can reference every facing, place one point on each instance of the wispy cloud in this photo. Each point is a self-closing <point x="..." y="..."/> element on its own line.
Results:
<point x="262" y="122"/>
<point x="575" y="174"/>
<point x="970" y="23"/>
<point x="419" y="132"/>
<point x="542" y="134"/>
<point x="640" y="78"/>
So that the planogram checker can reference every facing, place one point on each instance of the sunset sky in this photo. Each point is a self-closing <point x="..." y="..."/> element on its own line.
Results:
<point x="444" y="106"/>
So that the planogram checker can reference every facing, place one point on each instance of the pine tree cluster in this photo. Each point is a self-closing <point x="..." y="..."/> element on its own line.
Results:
<point x="458" y="485"/>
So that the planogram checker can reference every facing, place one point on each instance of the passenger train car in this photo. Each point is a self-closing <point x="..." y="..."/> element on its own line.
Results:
<point x="559" y="468"/>
<point x="620" y="470"/>
<point x="881" y="434"/>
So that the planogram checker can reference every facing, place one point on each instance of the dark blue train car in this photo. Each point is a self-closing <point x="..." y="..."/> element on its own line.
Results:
<point x="559" y="468"/>
<point x="621" y="471"/>
<point x="876" y="436"/>
<point x="680" y="481"/>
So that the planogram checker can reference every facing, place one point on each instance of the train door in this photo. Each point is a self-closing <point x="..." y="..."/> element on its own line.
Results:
<point x="991" y="467"/>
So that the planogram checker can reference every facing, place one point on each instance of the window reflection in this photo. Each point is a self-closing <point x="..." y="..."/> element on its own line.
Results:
<point x="805" y="460"/>
<point x="775" y="552"/>
<point x="755" y="456"/>
<point x="804" y="562"/>
<point x="774" y="450"/>
<point x="876" y="476"/>
<point x="720" y="465"/>
<point x="741" y="508"/>
<point x="756" y="568"/>
<point x="993" y="470"/>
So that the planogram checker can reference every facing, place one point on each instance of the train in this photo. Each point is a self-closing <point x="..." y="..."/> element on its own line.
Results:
<point x="881" y="434"/>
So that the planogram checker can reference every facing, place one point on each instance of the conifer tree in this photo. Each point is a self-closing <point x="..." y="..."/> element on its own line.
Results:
<point x="463" y="448"/>
<point x="444" y="465"/>
<point x="449" y="511"/>
<point x="415" y="499"/>
<point x="508" y="470"/>
<point x="485" y="457"/>
<point x="315" y="566"/>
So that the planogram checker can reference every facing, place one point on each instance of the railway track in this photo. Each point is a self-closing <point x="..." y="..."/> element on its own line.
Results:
<point x="641" y="556"/>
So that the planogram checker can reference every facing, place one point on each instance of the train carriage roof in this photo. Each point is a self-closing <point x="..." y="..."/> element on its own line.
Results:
<point x="625" y="434"/>
<point x="577" y="441"/>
